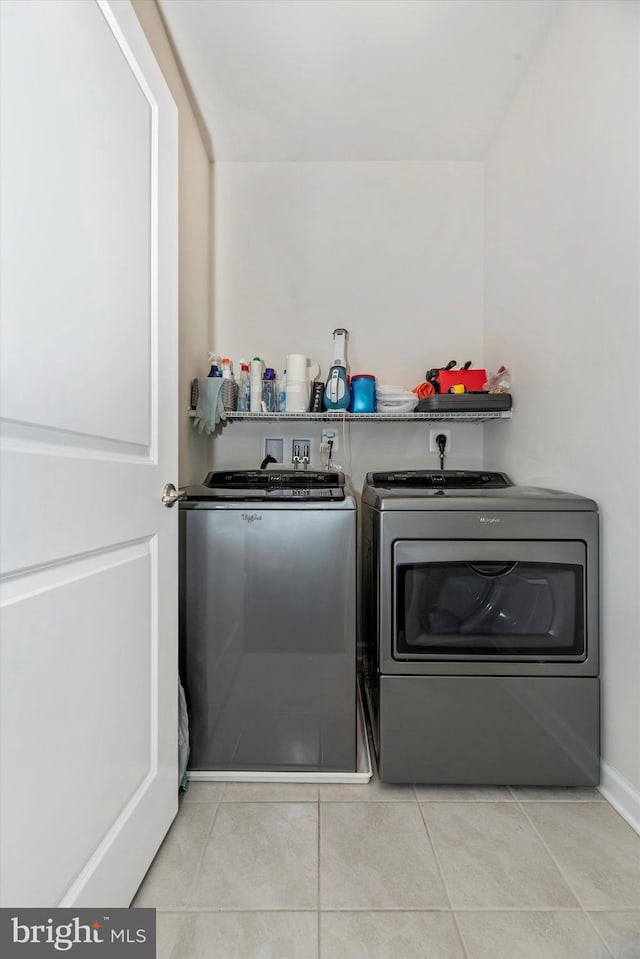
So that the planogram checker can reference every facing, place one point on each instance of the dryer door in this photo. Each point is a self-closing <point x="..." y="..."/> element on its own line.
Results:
<point x="479" y="601"/>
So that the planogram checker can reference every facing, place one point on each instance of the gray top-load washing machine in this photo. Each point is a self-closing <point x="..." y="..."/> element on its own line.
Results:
<point x="268" y="656"/>
<point x="480" y="628"/>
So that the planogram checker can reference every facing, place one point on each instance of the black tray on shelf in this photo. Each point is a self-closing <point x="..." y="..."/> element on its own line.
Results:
<point x="465" y="403"/>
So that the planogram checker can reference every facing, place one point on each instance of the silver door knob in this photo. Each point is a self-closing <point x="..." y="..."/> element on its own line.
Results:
<point x="171" y="495"/>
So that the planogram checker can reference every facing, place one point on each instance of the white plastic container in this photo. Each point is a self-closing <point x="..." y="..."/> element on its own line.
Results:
<point x="256" y="385"/>
<point x="396" y="406"/>
<point x="395" y="399"/>
<point x="300" y="373"/>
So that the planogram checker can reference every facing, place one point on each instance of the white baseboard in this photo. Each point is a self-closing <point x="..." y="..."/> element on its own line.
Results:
<point x="624" y="797"/>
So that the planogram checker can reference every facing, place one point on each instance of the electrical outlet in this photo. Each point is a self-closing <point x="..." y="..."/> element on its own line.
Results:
<point x="329" y="434"/>
<point x="301" y="452"/>
<point x="433" y="445"/>
<point x="274" y="446"/>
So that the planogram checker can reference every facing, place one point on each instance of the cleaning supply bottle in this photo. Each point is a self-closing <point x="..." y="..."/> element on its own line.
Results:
<point x="256" y="385"/>
<point x="282" y="392"/>
<point x="215" y="365"/>
<point x="244" y="388"/>
<point x="269" y="391"/>
<point x="229" y="388"/>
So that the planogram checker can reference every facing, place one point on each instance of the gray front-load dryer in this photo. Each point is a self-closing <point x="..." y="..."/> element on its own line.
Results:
<point x="480" y="626"/>
<point x="268" y="654"/>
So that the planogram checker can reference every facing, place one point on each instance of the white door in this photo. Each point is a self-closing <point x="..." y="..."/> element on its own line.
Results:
<point x="89" y="437"/>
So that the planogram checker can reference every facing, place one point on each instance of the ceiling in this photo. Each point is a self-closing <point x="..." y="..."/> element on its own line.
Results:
<point x="355" y="79"/>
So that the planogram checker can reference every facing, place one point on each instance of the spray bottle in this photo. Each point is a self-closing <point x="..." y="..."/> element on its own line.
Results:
<point x="216" y="362"/>
<point x="244" y="388"/>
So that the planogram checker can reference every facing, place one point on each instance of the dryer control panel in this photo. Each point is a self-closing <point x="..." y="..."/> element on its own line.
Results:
<point x="439" y="479"/>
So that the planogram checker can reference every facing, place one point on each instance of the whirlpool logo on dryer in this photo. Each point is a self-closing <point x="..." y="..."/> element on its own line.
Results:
<point x="251" y="517"/>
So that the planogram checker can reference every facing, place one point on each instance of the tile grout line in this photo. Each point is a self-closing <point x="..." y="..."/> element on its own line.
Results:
<point x="181" y="925"/>
<point x="184" y="911"/>
<point x="192" y="910"/>
<point x="442" y="879"/>
<point x="273" y="802"/>
<point x="561" y="870"/>
<point x="543" y="842"/>
<point x="568" y="801"/>
<point x="318" y="911"/>
<point x="391" y="909"/>
<point x="198" y="868"/>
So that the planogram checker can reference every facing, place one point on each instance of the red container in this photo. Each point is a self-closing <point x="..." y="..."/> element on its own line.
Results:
<point x="472" y="380"/>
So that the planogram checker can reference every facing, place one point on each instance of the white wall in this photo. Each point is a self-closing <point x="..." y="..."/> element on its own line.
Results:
<point x="562" y="309"/>
<point x="194" y="247"/>
<point x="393" y="251"/>
<point x="370" y="445"/>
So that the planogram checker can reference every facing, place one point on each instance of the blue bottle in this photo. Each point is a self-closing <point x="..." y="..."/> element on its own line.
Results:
<point x="363" y="393"/>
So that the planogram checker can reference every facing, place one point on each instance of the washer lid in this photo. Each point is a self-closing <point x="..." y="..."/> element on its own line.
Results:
<point x="509" y="498"/>
<point x="312" y="486"/>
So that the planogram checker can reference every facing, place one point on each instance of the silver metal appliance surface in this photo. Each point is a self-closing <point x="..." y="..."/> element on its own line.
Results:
<point x="268" y="653"/>
<point x="479" y="628"/>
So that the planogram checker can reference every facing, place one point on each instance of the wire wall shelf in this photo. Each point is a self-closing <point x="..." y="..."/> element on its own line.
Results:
<point x="473" y="416"/>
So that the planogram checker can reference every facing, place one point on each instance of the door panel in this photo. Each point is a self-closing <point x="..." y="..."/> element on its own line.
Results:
<point x="89" y="437"/>
<point x="80" y="176"/>
<point x="91" y="616"/>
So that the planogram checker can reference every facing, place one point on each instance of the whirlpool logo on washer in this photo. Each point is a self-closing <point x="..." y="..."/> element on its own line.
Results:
<point x="489" y="519"/>
<point x="251" y="517"/>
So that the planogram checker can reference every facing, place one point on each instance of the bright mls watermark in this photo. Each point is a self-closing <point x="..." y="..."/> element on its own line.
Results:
<point x="79" y="933"/>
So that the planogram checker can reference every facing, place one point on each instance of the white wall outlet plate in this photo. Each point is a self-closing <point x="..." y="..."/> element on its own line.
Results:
<point x="301" y="452"/>
<point x="330" y="434"/>
<point x="274" y="446"/>
<point x="433" y="444"/>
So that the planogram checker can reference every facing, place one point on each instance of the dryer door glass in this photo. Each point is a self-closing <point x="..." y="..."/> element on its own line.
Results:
<point x="480" y="600"/>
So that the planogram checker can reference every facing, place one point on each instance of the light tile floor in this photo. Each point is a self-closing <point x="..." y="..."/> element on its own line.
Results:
<point x="270" y="871"/>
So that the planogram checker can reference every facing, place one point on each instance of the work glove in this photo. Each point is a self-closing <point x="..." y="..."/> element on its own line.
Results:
<point x="210" y="409"/>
